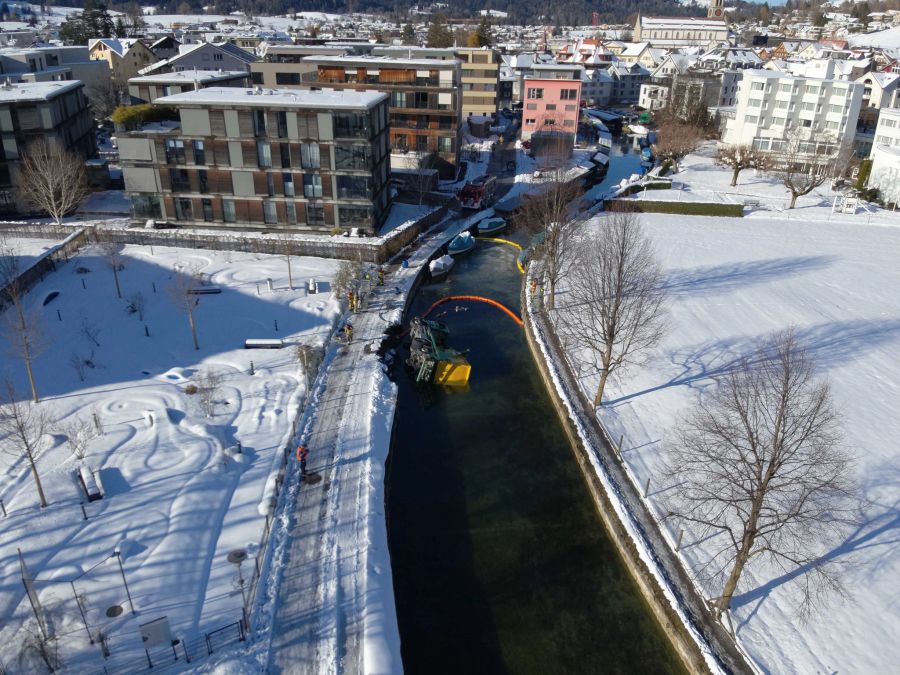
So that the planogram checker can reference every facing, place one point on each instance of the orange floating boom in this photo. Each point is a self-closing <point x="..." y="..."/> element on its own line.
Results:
<point x="475" y="298"/>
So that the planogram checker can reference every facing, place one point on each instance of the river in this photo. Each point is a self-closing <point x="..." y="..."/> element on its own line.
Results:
<point x="500" y="562"/>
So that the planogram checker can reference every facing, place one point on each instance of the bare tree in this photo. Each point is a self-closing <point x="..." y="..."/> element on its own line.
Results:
<point x="421" y="182"/>
<point x="38" y="652"/>
<point x="52" y="179"/>
<point x="803" y="164"/>
<point x="209" y="387"/>
<point x="78" y="364"/>
<point x="346" y="278"/>
<point x="546" y="213"/>
<point x="185" y="280"/>
<point x="23" y="329"/>
<point x="308" y="357"/>
<point x="79" y="432"/>
<point x="760" y="462"/>
<point x="136" y="304"/>
<point x="105" y="97"/>
<point x="614" y="300"/>
<point x="740" y="156"/>
<point x="112" y="252"/>
<point x="91" y="331"/>
<point x="22" y="425"/>
<point x="676" y="139"/>
<point x="287" y="245"/>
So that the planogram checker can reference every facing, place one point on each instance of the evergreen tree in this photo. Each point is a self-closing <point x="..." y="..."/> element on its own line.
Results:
<point x="408" y="36"/>
<point x="120" y="29"/>
<point x="482" y="36"/>
<point x="439" y="35"/>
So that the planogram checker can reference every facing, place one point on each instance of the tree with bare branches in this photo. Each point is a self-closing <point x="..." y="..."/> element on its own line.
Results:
<point x="79" y="432"/>
<point x="760" y="463"/>
<point x="209" y="388"/>
<point x="676" y="139"/>
<point x="184" y="280"/>
<point x="22" y="425"/>
<point x="547" y="213"/>
<point x="613" y="308"/>
<point x="804" y="163"/>
<point x="740" y="156"/>
<point x="23" y="329"/>
<point x="112" y="252"/>
<point x="52" y="179"/>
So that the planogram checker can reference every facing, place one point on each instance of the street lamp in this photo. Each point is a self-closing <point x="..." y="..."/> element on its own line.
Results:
<point x="118" y="554"/>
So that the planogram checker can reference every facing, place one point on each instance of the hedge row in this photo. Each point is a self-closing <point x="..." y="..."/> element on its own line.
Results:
<point x="680" y="208"/>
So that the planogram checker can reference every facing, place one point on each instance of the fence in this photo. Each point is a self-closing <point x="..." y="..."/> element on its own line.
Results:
<point x="374" y="250"/>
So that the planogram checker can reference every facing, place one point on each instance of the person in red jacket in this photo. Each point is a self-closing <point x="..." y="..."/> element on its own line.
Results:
<point x="302" y="455"/>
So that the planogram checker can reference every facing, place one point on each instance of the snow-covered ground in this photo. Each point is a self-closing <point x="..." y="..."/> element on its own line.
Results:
<point x="178" y="497"/>
<point x="732" y="282"/>
<point x="889" y="39"/>
<point x="27" y="250"/>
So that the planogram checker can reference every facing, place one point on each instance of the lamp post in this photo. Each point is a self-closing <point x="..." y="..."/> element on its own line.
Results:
<point x="118" y="554"/>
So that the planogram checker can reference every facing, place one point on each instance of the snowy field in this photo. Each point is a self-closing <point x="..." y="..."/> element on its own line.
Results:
<point x="731" y="282"/>
<point x="179" y="497"/>
<point x="27" y="250"/>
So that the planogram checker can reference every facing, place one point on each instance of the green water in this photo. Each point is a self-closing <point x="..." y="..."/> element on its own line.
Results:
<point x="500" y="561"/>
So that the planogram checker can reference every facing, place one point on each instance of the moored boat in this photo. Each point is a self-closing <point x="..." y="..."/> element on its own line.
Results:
<point x="461" y="243"/>
<point x="440" y="267"/>
<point x="491" y="226"/>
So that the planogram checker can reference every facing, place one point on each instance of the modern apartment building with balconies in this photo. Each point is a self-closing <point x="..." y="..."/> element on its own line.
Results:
<point x="254" y="159"/>
<point x="425" y="102"/>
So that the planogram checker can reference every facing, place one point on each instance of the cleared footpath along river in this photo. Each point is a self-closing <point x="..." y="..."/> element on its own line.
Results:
<point x="500" y="562"/>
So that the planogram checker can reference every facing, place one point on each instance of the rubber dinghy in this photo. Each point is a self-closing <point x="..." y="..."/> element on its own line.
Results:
<point x="440" y="267"/>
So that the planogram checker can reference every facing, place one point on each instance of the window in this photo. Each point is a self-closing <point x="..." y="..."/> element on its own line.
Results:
<point x="259" y="122"/>
<point x="355" y="156"/>
<point x="256" y="77"/>
<point x="806" y="123"/>
<point x="270" y="215"/>
<point x="398" y="99"/>
<point x="291" y="211"/>
<point x="174" y="151"/>
<point x="228" y="213"/>
<point x="146" y="206"/>
<point x="778" y="121"/>
<point x="889" y="124"/>
<point x="568" y="94"/>
<point x="217" y="57"/>
<point x="263" y="154"/>
<point x="312" y="185"/>
<point x="270" y="184"/>
<point x="809" y="107"/>
<point x="751" y="119"/>
<point x="761" y="143"/>
<point x="838" y="91"/>
<point x="445" y="144"/>
<point x="180" y="181"/>
<point x="199" y="153"/>
<point x="530" y="120"/>
<point x="758" y="86"/>
<point x="835" y="108"/>
<point x="355" y="215"/>
<point x="535" y="92"/>
<point x="282" y="124"/>
<point x="571" y="107"/>
<point x="183" y="209"/>
<point x="309" y="156"/>
<point x="812" y="89"/>
<point x="207" y="210"/>
<point x="782" y="105"/>
<point x="287" y="78"/>
<point x="285" y="156"/>
<point x="354" y="187"/>
<point x="755" y="102"/>
<point x="531" y="106"/>
<point x="551" y="106"/>
<point x="315" y="214"/>
<point x="883" y="140"/>
<point x="203" y="178"/>
<point x="832" y="126"/>
<point x="785" y="87"/>
<point x="568" y="123"/>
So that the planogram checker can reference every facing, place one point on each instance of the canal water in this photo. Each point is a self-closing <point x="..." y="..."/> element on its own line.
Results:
<point x="500" y="562"/>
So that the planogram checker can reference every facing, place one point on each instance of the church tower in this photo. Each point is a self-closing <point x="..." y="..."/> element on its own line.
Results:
<point x="716" y="9"/>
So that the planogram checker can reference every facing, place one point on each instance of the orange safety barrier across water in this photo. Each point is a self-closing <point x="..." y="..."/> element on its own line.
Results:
<point x="475" y="298"/>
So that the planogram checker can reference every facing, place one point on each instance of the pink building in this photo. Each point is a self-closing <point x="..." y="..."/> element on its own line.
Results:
<point x="551" y="105"/>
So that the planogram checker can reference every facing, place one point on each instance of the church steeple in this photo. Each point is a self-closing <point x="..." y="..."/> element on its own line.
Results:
<point x="716" y="9"/>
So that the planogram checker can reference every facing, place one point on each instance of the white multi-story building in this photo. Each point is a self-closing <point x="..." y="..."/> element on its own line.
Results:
<point x="771" y="104"/>
<point x="885" y="174"/>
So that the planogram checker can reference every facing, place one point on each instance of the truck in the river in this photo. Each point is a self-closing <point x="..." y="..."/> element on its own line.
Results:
<point x="432" y="359"/>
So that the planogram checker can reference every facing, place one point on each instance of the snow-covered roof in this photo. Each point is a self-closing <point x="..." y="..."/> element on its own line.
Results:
<point x="383" y="61"/>
<point x="188" y="76"/>
<point x="318" y="99"/>
<point x="35" y="91"/>
<point x="682" y="22"/>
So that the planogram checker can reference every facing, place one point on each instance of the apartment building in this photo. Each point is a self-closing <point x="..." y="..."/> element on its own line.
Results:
<point x="55" y="111"/>
<point x="425" y="105"/>
<point x="54" y="64"/>
<point x="282" y="159"/>
<point x="282" y="65"/>
<point x="551" y="110"/>
<point x="148" y="88"/>
<point x="771" y="104"/>
<point x="885" y="156"/>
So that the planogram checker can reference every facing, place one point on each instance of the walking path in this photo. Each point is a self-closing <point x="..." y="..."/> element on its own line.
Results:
<point x="335" y="611"/>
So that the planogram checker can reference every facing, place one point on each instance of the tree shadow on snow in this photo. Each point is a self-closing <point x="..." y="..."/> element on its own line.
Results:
<point x="735" y="276"/>
<point x="829" y="345"/>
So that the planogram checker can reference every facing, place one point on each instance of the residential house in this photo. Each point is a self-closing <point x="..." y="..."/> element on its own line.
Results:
<point x="627" y="80"/>
<point x="204" y="56"/>
<point x="285" y="159"/>
<point x="126" y="58"/>
<point x="551" y="112"/>
<point x="885" y="156"/>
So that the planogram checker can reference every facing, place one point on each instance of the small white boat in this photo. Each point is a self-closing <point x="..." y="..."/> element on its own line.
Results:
<point x="638" y="129"/>
<point x="440" y="267"/>
<point x="461" y="243"/>
<point x="491" y="226"/>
